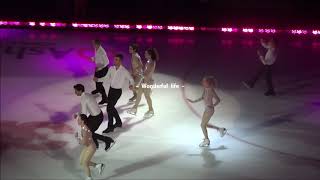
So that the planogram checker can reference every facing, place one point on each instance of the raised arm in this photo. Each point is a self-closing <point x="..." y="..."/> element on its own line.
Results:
<point x="197" y="100"/>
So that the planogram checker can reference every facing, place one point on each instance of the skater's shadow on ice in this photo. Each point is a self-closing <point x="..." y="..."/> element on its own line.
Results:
<point x="127" y="125"/>
<point x="147" y="162"/>
<point x="303" y="86"/>
<point x="293" y="89"/>
<point x="57" y="116"/>
<point x="208" y="157"/>
<point x="70" y="158"/>
<point x="124" y="108"/>
<point x="276" y="120"/>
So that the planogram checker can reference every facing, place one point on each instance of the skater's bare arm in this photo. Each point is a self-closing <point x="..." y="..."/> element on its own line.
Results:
<point x="149" y="69"/>
<point x="86" y="136"/>
<point x="129" y="77"/>
<point x="264" y="43"/>
<point x="138" y="62"/>
<point x="196" y="100"/>
<point x="216" y="97"/>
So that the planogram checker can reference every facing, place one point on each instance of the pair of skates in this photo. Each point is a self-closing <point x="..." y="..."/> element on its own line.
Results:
<point x="100" y="167"/>
<point x="133" y="111"/>
<point x="206" y="142"/>
<point x="148" y="114"/>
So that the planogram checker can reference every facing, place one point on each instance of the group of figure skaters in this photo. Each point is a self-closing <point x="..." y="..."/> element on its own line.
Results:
<point x="91" y="116"/>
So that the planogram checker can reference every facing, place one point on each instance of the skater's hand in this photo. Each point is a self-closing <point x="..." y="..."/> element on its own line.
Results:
<point x="131" y="87"/>
<point x="75" y="116"/>
<point x="190" y="100"/>
<point x="259" y="52"/>
<point x="92" y="58"/>
<point x="95" y="79"/>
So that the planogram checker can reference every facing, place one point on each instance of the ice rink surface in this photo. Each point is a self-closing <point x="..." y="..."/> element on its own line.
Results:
<point x="268" y="137"/>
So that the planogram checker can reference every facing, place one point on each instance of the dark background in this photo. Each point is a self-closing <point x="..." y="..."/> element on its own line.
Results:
<point x="278" y="13"/>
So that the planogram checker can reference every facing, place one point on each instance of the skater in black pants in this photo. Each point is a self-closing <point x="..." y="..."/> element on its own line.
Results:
<point x="118" y="76"/>
<point x="266" y="67"/>
<point x="101" y="60"/>
<point x="90" y="107"/>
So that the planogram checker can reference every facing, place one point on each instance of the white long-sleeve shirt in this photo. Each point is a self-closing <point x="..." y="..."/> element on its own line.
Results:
<point x="89" y="105"/>
<point x="117" y="77"/>
<point x="270" y="56"/>
<point x="101" y="58"/>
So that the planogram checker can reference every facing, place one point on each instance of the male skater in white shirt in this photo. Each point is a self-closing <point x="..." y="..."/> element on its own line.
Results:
<point x="90" y="107"/>
<point x="268" y="60"/>
<point x="101" y="60"/>
<point x="118" y="76"/>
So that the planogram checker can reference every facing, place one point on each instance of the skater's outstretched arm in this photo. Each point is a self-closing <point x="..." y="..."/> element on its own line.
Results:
<point x="196" y="100"/>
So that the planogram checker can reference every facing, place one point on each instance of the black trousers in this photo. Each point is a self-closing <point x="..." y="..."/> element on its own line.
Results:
<point x="113" y="97"/>
<point x="93" y="123"/>
<point x="267" y="69"/>
<point x="99" y="85"/>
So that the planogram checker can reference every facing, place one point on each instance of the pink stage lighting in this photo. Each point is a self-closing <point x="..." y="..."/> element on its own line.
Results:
<point x="224" y="29"/>
<point x="299" y="31"/>
<point x="85" y="25"/>
<point x="50" y="24"/>
<point x="121" y="26"/>
<point x="3" y="23"/>
<point x="181" y="28"/>
<point x="42" y="24"/>
<point x="31" y="23"/>
<point x="10" y="23"/>
<point x="316" y="32"/>
<point x="14" y="23"/>
<point x="267" y="31"/>
<point x="75" y="25"/>
<point x="247" y="30"/>
<point x="149" y="27"/>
